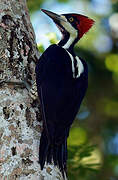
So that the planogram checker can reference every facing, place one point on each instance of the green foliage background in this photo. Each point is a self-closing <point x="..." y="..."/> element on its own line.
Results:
<point x="93" y="140"/>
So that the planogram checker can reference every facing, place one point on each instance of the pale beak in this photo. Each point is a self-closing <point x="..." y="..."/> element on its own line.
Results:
<point x="54" y="16"/>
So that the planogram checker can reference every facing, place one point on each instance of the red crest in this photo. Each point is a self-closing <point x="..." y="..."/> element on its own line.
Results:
<point x="84" y="24"/>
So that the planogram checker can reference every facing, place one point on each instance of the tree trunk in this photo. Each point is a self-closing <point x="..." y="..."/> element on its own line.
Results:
<point x="20" y="121"/>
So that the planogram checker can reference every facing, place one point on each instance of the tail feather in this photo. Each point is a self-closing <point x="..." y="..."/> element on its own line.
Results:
<point x="55" y="154"/>
<point x="51" y="152"/>
<point x="61" y="159"/>
<point x="44" y="146"/>
<point x="65" y="155"/>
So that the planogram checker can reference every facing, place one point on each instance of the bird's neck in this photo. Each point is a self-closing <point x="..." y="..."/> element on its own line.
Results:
<point x="68" y="42"/>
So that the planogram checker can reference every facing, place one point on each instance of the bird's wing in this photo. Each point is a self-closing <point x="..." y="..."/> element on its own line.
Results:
<point x="59" y="93"/>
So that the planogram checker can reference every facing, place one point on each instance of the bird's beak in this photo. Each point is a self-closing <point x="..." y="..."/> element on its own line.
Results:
<point x="54" y="16"/>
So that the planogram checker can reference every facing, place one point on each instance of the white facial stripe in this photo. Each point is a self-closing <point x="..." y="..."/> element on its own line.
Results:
<point x="72" y="31"/>
<point x="79" y="65"/>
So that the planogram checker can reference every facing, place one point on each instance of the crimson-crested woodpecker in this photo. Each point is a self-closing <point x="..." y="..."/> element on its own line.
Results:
<point x="62" y="80"/>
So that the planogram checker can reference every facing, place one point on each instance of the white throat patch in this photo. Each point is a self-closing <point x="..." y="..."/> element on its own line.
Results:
<point x="80" y="66"/>
<point x="72" y="31"/>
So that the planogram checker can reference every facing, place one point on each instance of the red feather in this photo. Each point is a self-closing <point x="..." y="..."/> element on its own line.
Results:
<point x="84" y="24"/>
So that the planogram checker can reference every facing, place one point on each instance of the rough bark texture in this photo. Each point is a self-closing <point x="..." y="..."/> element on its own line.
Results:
<point x="20" y="121"/>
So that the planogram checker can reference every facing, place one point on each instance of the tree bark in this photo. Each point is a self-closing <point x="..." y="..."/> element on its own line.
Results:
<point x="20" y="120"/>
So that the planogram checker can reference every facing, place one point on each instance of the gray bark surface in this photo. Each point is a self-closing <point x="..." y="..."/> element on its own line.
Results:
<point x="20" y="120"/>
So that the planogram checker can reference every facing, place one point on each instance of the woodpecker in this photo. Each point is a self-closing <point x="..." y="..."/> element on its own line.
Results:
<point x="62" y="80"/>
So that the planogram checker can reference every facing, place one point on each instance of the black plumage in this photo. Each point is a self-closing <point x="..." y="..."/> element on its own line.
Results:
<point x="60" y="96"/>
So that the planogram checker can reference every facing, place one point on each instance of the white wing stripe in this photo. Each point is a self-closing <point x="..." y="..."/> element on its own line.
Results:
<point x="72" y="60"/>
<point x="79" y="66"/>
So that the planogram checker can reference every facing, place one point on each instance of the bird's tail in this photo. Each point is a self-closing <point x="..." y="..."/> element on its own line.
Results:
<point x="53" y="152"/>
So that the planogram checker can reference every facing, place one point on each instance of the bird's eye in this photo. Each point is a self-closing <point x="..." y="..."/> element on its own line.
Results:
<point x="71" y="19"/>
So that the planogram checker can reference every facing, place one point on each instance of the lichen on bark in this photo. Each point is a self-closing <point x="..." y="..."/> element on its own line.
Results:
<point x="20" y="120"/>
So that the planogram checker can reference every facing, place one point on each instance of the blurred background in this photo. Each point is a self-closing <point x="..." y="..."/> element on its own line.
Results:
<point x="93" y="141"/>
